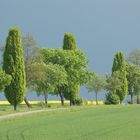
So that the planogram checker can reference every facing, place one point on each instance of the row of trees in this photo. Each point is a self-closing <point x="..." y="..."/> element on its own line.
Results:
<point x="70" y="67"/>
<point x="47" y="71"/>
<point x="124" y="80"/>
<point x="62" y="71"/>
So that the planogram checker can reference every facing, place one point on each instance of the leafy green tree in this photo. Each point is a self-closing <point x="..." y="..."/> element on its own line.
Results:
<point x="69" y="43"/>
<point x="119" y="65"/>
<point x="46" y="79"/>
<point x="13" y="64"/>
<point x="134" y="58"/>
<point x="5" y="80"/>
<point x="74" y="63"/>
<point x="133" y="77"/>
<point x="96" y="84"/>
<point x="31" y="53"/>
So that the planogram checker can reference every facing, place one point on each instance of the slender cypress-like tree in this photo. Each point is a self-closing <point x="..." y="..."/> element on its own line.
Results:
<point x="13" y="64"/>
<point x="119" y="65"/>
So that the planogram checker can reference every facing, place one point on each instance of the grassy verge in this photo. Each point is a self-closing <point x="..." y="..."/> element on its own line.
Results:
<point x="6" y="108"/>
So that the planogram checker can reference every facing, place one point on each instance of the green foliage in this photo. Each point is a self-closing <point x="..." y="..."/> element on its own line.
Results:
<point x="69" y="42"/>
<point x="5" y="79"/>
<point x="133" y="77"/>
<point x="75" y="64"/>
<point x="31" y="53"/>
<point x="72" y="94"/>
<point x="78" y="101"/>
<point x="119" y="65"/>
<point x="96" y="84"/>
<point x="46" y="78"/>
<point x="134" y="57"/>
<point x="13" y="64"/>
<point x="112" y="98"/>
<point x="113" y="82"/>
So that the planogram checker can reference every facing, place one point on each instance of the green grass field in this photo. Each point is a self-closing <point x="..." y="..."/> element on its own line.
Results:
<point x="77" y="123"/>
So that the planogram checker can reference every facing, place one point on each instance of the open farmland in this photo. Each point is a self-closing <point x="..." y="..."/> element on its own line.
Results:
<point x="76" y="123"/>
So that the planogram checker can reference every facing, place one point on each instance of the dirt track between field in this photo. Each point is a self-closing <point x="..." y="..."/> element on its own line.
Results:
<point x="27" y="113"/>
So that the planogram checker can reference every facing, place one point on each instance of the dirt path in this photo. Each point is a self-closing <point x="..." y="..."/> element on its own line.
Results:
<point x="27" y="113"/>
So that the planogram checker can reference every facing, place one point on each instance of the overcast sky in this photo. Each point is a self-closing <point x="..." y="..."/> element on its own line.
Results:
<point x="102" y="27"/>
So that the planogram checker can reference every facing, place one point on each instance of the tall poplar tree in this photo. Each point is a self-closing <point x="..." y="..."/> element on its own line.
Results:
<point x="69" y="43"/>
<point x="119" y="65"/>
<point x="13" y="64"/>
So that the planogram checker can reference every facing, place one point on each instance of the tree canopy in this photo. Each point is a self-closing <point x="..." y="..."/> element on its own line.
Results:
<point x="47" y="78"/>
<point x="74" y="63"/>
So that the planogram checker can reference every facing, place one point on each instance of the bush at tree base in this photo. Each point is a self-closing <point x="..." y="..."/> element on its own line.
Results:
<point x="112" y="98"/>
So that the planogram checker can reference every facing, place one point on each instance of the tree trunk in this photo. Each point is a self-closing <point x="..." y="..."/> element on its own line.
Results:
<point x="15" y="107"/>
<point x="15" y="104"/>
<point x="62" y="99"/>
<point x="46" y="98"/>
<point x="71" y="102"/>
<point x="132" y="99"/>
<point x="138" y="99"/>
<point x="27" y="103"/>
<point x="96" y="99"/>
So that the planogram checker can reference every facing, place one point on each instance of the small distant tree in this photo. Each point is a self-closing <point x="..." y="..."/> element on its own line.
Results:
<point x="119" y="65"/>
<point x="96" y="84"/>
<point x="134" y="58"/>
<point x="31" y="53"/>
<point x="133" y="78"/>
<point x="46" y="79"/>
<point x="13" y="64"/>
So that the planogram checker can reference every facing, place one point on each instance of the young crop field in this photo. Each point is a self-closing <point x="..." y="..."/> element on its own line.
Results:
<point x="120" y="122"/>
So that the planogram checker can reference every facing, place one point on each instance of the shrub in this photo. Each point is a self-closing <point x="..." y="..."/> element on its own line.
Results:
<point x="112" y="98"/>
<point x="42" y="104"/>
<point x="78" y="101"/>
